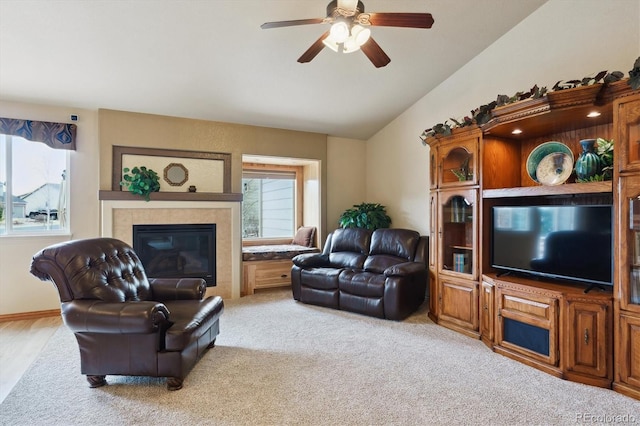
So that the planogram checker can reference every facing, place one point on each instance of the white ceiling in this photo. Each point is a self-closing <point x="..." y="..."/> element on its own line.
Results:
<point x="209" y="59"/>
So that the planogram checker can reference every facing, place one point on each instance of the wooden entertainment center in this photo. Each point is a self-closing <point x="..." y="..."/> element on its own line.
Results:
<point x="590" y="337"/>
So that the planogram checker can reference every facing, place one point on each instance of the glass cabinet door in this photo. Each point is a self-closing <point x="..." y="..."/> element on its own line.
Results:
<point x="627" y="114"/>
<point x="630" y="264"/>
<point x="458" y="163"/>
<point x="457" y="236"/>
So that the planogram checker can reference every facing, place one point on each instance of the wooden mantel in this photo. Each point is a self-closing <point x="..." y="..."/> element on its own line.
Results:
<point x="104" y="195"/>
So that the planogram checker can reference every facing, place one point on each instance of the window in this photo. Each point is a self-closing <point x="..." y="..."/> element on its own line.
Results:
<point x="270" y="201"/>
<point x="33" y="187"/>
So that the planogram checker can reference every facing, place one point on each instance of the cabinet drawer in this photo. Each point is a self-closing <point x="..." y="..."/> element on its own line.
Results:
<point x="266" y="274"/>
<point x="273" y="274"/>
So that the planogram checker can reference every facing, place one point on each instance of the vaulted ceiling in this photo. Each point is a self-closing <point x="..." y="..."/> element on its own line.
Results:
<point x="209" y="59"/>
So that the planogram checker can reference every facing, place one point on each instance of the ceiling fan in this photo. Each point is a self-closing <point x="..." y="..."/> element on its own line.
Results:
<point x="350" y="29"/>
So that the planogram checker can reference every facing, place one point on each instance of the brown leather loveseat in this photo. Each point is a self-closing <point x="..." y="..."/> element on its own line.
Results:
<point x="126" y="323"/>
<point x="381" y="273"/>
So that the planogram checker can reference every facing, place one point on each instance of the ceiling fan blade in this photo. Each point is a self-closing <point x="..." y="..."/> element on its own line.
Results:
<point x="279" y="24"/>
<point x="313" y="51"/>
<point x="375" y="53"/>
<point x="410" y="20"/>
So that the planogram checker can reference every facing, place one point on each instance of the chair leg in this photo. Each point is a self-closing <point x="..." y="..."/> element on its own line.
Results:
<point x="174" y="383"/>
<point x="212" y="344"/>
<point x="96" y="381"/>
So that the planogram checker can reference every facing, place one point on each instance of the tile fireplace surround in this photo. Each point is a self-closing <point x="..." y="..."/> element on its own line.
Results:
<point x="119" y="216"/>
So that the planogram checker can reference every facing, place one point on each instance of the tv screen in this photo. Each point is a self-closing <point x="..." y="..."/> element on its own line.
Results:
<point x="565" y="242"/>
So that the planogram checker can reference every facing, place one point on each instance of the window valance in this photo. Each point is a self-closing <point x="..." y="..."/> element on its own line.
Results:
<point x="55" y="135"/>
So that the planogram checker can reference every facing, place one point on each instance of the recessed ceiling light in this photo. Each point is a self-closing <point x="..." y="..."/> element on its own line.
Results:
<point x="516" y="131"/>
<point x="593" y="114"/>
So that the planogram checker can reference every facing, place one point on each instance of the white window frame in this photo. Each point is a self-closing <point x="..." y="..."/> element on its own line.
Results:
<point x="275" y="168"/>
<point x="9" y="230"/>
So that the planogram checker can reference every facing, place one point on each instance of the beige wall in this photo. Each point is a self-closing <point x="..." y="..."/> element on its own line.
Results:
<point x="346" y="176"/>
<point x="19" y="290"/>
<point x="562" y="40"/>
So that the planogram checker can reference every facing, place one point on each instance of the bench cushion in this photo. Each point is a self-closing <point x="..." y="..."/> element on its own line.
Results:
<point x="275" y="251"/>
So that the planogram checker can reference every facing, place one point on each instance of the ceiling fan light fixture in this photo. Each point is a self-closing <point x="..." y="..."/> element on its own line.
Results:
<point x="339" y="31"/>
<point x="360" y="34"/>
<point x="350" y="45"/>
<point x="331" y="43"/>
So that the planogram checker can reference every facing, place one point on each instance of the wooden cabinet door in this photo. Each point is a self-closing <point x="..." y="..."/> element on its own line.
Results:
<point x="626" y="121"/>
<point x="434" y="295"/>
<point x="487" y="312"/>
<point x="459" y="303"/>
<point x="433" y="167"/>
<point x="629" y="351"/>
<point x="588" y="338"/>
<point x="528" y="324"/>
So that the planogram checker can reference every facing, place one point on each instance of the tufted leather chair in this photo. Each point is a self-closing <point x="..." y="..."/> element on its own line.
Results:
<point x="124" y="322"/>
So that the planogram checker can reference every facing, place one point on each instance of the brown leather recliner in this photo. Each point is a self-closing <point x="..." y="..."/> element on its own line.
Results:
<point x="125" y="323"/>
<point x="381" y="273"/>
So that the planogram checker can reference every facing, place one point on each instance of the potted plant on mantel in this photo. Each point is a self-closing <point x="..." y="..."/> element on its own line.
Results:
<point x="141" y="181"/>
<point x="365" y="215"/>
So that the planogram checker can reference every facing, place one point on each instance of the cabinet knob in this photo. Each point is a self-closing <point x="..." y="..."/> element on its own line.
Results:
<point x="283" y="276"/>
<point x="586" y="336"/>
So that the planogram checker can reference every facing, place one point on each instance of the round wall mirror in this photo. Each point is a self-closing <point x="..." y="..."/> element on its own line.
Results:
<point x="176" y="174"/>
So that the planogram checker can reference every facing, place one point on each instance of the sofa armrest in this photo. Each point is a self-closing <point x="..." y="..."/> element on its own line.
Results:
<point x="311" y="260"/>
<point x="95" y="316"/>
<point x="178" y="288"/>
<point x="404" y="269"/>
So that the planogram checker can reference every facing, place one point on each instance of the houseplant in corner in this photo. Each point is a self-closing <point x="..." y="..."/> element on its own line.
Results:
<point x="141" y="181"/>
<point x="365" y="215"/>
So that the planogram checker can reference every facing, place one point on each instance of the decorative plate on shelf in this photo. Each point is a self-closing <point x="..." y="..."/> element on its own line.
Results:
<point x="554" y="169"/>
<point x="542" y="151"/>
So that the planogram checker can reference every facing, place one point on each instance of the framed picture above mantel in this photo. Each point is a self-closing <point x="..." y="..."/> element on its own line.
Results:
<point x="204" y="171"/>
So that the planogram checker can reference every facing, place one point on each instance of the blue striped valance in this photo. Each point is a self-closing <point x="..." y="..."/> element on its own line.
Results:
<point x="55" y="135"/>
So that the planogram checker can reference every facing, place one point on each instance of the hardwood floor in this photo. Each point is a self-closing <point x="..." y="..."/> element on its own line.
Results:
<point x="20" y="343"/>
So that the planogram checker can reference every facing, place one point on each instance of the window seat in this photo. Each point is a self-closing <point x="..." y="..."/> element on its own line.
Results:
<point x="269" y="265"/>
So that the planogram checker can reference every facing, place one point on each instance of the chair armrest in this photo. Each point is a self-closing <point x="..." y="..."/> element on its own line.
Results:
<point x="95" y="316"/>
<point x="311" y="260"/>
<point x="404" y="269"/>
<point x="178" y="288"/>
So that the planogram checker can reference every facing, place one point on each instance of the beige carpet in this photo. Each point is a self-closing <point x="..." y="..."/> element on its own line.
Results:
<point x="279" y="362"/>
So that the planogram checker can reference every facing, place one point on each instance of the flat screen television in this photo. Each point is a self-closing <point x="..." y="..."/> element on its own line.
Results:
<point x="571" y="243"/>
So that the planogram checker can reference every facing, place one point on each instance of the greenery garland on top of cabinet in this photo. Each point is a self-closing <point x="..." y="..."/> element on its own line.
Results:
<point x="485" y="113"/>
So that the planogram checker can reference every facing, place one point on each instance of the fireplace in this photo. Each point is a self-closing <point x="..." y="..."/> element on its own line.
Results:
<point x="177" y="251"/>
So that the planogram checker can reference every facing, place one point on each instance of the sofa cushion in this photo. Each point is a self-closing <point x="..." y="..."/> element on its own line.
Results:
<point x="354" y="240"/>
<point x="395" y="242"/>
<point x="361" y="283"/>
<point x="349" y="247"/>
<point x="190" y="320"/>
<point x="380" y="262"/>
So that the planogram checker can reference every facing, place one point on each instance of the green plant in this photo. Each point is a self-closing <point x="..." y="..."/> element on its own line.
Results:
<point x="1" y="213"/>
<point x="365" y="215"/>
<point x="141" y="181"/>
